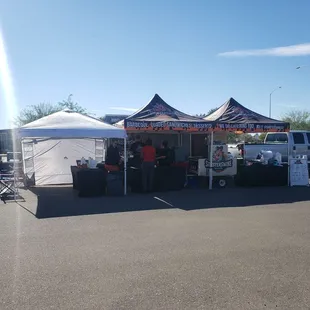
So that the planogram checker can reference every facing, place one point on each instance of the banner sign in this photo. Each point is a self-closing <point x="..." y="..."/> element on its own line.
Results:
<point x="248" y="127"/>
<point x="201" y="126"/>
<point x="169" y="125"/>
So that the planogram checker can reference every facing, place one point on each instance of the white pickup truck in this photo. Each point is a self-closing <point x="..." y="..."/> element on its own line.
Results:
<point x="290" y="143"/>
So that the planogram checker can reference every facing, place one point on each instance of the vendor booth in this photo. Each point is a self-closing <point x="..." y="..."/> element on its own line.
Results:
<point x="160" y="122"/>
<point x="158" y="116"/>
<point x="54" y="144"/>
<point x="233" y="117"/>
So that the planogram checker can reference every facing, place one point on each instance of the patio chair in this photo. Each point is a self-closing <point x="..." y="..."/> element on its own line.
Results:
<point x="8" y="186"/>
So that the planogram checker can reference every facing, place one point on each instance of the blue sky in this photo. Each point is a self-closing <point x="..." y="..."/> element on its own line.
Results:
<point x="112" y="54"/>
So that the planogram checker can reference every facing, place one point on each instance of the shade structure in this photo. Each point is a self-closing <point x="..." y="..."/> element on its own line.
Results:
<point x="232" y="116"/>
<point x="157" y="115"/>
<point x="53" y="143"/>
<point x="70" y="124"/>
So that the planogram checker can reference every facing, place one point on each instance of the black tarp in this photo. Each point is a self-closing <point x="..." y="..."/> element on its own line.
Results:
<point x="232" y="116"/>
<point x="157" y="115"/>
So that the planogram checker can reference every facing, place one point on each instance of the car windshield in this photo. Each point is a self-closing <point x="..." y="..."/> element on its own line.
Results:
<point x="277" y="138"/>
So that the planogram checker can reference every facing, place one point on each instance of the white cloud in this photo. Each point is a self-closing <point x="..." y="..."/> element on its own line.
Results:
<point x="123" y="109"/>
<point x="284" y="51"/>
<point x="291" y="106"/>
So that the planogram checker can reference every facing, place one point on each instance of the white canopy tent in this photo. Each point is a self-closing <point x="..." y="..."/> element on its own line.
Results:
<point x="53" y="143"/>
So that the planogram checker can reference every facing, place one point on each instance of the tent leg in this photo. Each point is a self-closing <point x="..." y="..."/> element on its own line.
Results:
<point x="23" y="159"/>
<point x="211" y="162"/>
<point x="125" y="167"/>
<point x="190" y="145"/>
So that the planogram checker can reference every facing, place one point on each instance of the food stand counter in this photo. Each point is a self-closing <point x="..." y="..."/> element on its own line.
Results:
<point x="224" y="165"/>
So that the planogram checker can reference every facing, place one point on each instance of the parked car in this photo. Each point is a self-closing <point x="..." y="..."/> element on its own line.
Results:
<point x="287" y="144"/>
<point x="234" y="150"/>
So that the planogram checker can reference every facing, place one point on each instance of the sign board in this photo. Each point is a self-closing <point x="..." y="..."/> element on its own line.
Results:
<point x="220" y="159"/>
<point x="299" y="174"/>
<point x="220" y="165"/>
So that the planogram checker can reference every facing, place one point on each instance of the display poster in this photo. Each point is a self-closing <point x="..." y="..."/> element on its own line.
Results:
<point x="220" y="160"/>
<point x="299" y="173"/>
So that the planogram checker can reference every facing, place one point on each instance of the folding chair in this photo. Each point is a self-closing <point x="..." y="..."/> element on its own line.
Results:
<point x="8" y="186"/>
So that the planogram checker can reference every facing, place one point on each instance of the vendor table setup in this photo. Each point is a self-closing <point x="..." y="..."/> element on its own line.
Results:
<point x="52" y="144"/>
<point x="160" y="120"/>
<point x="257" y="174"/>
<point x="89" y="182"/>
<point x="217" y="165"/>
<point x="97" y="181"/>
<point x="234" y="117"/>
<point x="166" y="178"/>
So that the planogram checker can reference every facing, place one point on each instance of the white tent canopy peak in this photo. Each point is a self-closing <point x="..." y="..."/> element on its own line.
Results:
<point x="67" y="123"/>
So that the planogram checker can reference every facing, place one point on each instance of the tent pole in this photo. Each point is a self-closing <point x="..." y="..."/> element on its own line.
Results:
<point x="125" y="166"/>
<point x="211" y="162"/>
<point x="23" y="159"/>
<point x="190" y="145"/>
<point x="288" y="167"/>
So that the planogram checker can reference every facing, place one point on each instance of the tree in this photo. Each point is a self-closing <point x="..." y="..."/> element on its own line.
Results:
<point x="37" y="111"/>
<point x="203" y="115"/>
<point x="299" y="119"/>
<point x="69" y="104"/>
<point x="233" y="138"/>
<point x="211" y="111"/>
<point x="262" y="136"/>
<point x="34" y="112"/>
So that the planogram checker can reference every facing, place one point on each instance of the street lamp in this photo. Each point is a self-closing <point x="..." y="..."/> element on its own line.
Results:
<point x="270" y="99"/>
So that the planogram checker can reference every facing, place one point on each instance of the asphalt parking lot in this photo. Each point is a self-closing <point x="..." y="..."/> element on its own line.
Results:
<point x="228" y="249"/>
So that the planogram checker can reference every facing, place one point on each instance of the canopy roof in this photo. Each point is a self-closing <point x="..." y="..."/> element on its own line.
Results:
<point x="158" y="115"/>
<point x="232" y="116"/>
<point x="70" y="124"/>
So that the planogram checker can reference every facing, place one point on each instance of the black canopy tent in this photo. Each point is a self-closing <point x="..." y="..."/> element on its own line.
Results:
<point x="234" y="117"/>
<point x="158" y="118"/>
<point x="158" y="115"/>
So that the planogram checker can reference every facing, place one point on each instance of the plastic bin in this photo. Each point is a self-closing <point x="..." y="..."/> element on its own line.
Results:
<point x="192" y="181"/>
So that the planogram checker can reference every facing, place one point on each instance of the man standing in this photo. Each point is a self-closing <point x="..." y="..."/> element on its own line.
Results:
<point x="135" y="149"/>
<point x="148" y="155"/>
<point x="166" y="155"/>
<point x="113" y="156"/>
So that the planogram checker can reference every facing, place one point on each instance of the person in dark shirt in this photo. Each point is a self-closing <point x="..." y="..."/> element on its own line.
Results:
<point x="135" y="149"/>
<point x="165" y="155"/>
<point x="113" y="157"/>
<point x="136" y="146"/>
